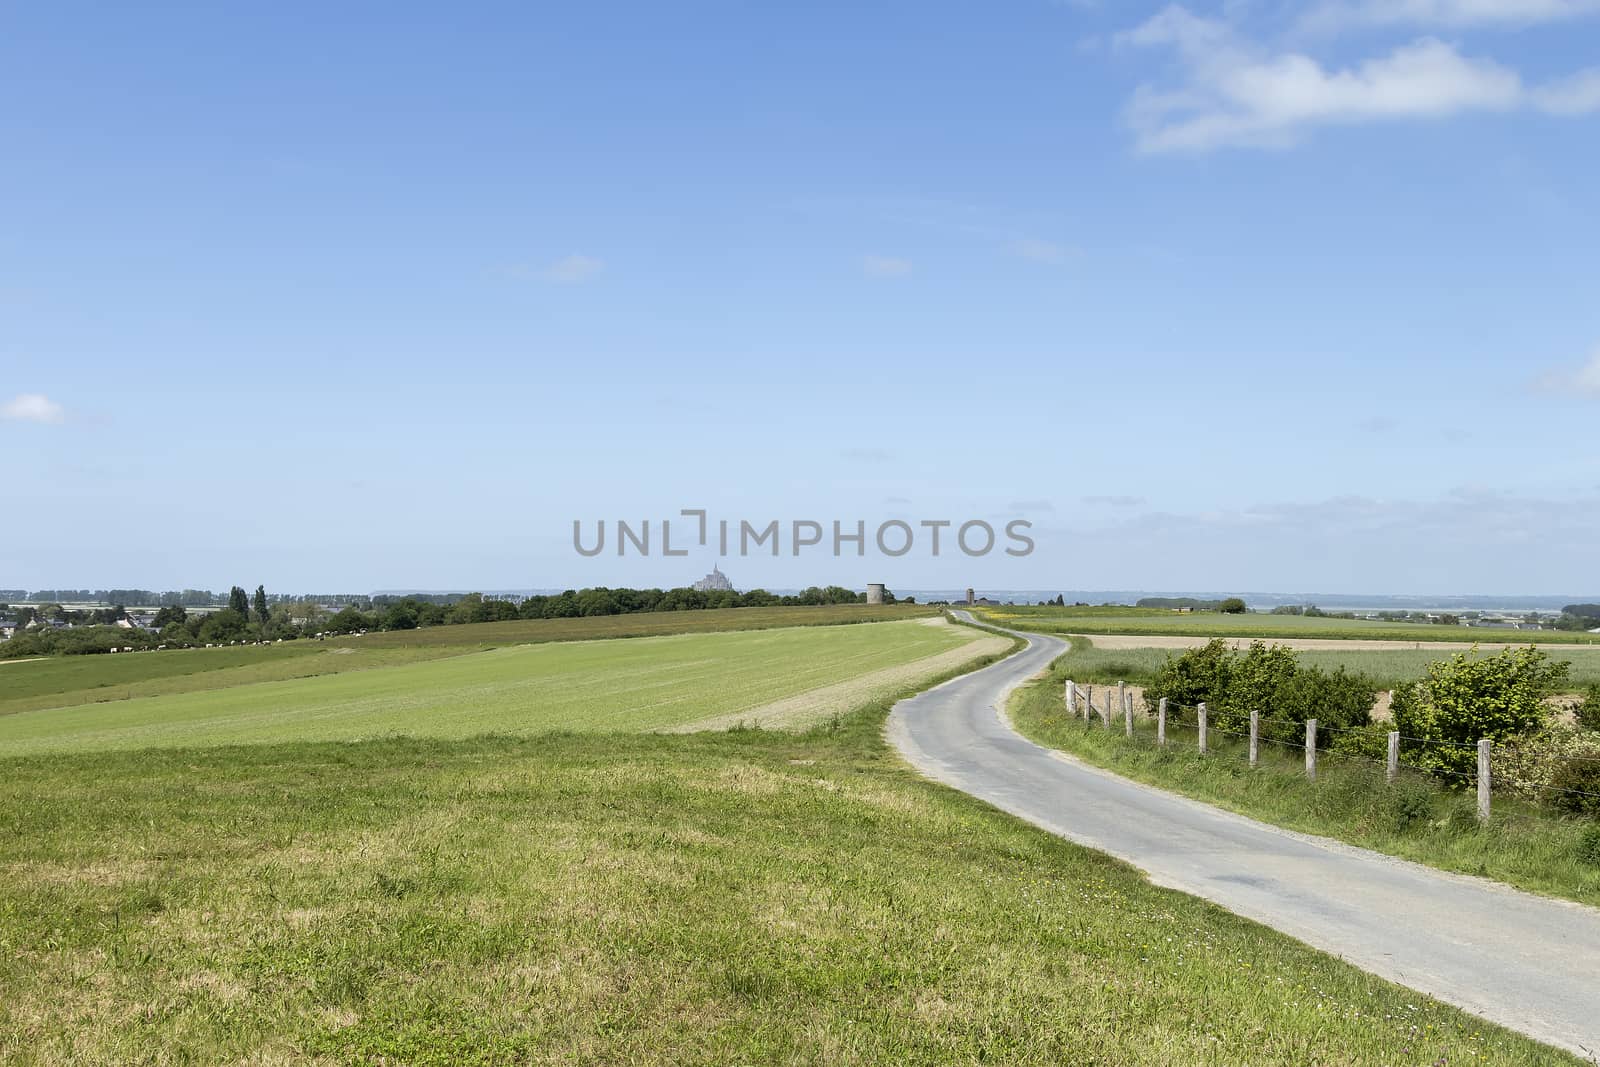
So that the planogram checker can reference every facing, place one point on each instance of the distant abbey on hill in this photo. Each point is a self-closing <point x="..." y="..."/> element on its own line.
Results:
<point x="714" y="581"/>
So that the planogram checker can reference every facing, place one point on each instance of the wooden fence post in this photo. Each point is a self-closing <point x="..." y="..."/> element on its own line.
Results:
<point x="1484" y="785"/>
<point x="1127" y="713"/>
<point x="1161" y="722"/>
<point x="1072" y="704"/>
<point x="1107" y="713"/>
<point x="1088" y="703"/>
<point x="1311" y="749"/>
<point x="1202" y="711"/>
<point x="1392" y="770"/>
<point x="1255" y="735"/>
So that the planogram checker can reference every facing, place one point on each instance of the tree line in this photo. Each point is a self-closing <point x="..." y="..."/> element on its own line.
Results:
<point x="259" y="617"/>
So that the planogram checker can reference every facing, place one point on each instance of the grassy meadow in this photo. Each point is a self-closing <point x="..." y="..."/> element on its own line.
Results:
<point x="1124" y="620"/>
<point x="596" y="686"/>
<point x="1416" y="818"/>
<point x="65" y="680"/>
<point x="743" y="897"/>
<point x="271" y="873"/>
<point x="1390" y="667"/>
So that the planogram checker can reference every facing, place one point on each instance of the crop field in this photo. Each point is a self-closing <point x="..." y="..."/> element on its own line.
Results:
<point x="644" y="684"/>
<point x="742" y="897"/>
<point x="646" y="624"/>
<point x="66" y="680"/>
<point x="1390" y="667"/>
<point x="1097" y="620"/>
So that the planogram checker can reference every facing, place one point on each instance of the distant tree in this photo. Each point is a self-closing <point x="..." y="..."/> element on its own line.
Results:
<point x="239" y="601"/>
<point x="221" y="627"/>
<point x="170" y="614"/>
<point x="1232" y="606"/>
<point x="262" y="613"/>
<point x="349" y="620"/>
<point x="401" y="616"/>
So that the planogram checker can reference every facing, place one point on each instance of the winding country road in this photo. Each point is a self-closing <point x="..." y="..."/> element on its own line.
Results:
<point x="1525" y="962"/>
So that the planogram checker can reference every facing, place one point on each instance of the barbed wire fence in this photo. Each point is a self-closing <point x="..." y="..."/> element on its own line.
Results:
<point x="1117" y="703"/>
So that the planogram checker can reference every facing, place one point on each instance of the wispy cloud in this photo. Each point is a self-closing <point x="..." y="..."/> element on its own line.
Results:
<point x="885" y="266"/>
<point x="573" y="269"/>
<point x="1037" y="250"/>
<point x="1583" y="380"/>
<point x="569" y="270"/>
<point x="32" y="407"/>
<point x="1236" y="92"/>
<point x="1341" y="14"/>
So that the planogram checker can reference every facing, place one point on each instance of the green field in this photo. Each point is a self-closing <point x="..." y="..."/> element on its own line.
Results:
<point x="745" y="897"/>
<point x="1101" y="620"/>
<point x="643" y="684"/>
<point x="268" y="873"/>
<point x="1389" y="667"/>
<point x="65" y="680"/>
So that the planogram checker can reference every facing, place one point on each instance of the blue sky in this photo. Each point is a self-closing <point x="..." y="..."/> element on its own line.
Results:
<point x="1251" y="296"/>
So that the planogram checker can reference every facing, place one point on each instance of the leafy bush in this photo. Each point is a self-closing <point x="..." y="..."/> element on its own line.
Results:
<point x="1368" y="741"/>
<point x="1587" y="711"/>
<point x="1575" y="778"/>
<point x="1266" y="679"/>
<point x="1468" y="697"/>
<point x="1199" y="674"/>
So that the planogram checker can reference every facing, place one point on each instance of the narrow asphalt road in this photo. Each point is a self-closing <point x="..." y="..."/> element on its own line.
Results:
<point x="1526" y="962"/>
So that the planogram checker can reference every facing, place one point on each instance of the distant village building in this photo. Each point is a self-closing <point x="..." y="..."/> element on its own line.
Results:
<point x="875" y="593"/>
<point x="716" y="581"/>
<point x="969" y="594"/>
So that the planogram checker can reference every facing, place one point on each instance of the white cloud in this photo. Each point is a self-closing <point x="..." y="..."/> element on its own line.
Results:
<point x="885" y="266"/>
<point x="574" y="268"/>
<point x="32" y="407"/>
<point x="1237" y="93"/>
<point x="1583" y="380"/>
<point x="1340" y="14"/>
<point x="1577" y="95"/>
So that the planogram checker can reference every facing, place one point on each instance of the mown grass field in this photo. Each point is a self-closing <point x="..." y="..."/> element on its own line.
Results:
<point x="745" y="897"/>
<point x="644" y="684"/>
<point x="646" y="624"/>
<point x="1099" y="620"/>
<point x="1390" y="667"/>
<point x="1416" y="818"/>
<point x="65" y="680"/>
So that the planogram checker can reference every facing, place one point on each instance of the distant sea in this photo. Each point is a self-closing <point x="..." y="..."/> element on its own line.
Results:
<point x="1451" y="602"/>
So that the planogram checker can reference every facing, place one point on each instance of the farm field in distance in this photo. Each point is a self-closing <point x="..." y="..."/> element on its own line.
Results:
<point x="67" y="680"/>
<point x="1124" y="620"/>
<point x="1391" y="667"/>
<point x="643" y="684"/>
